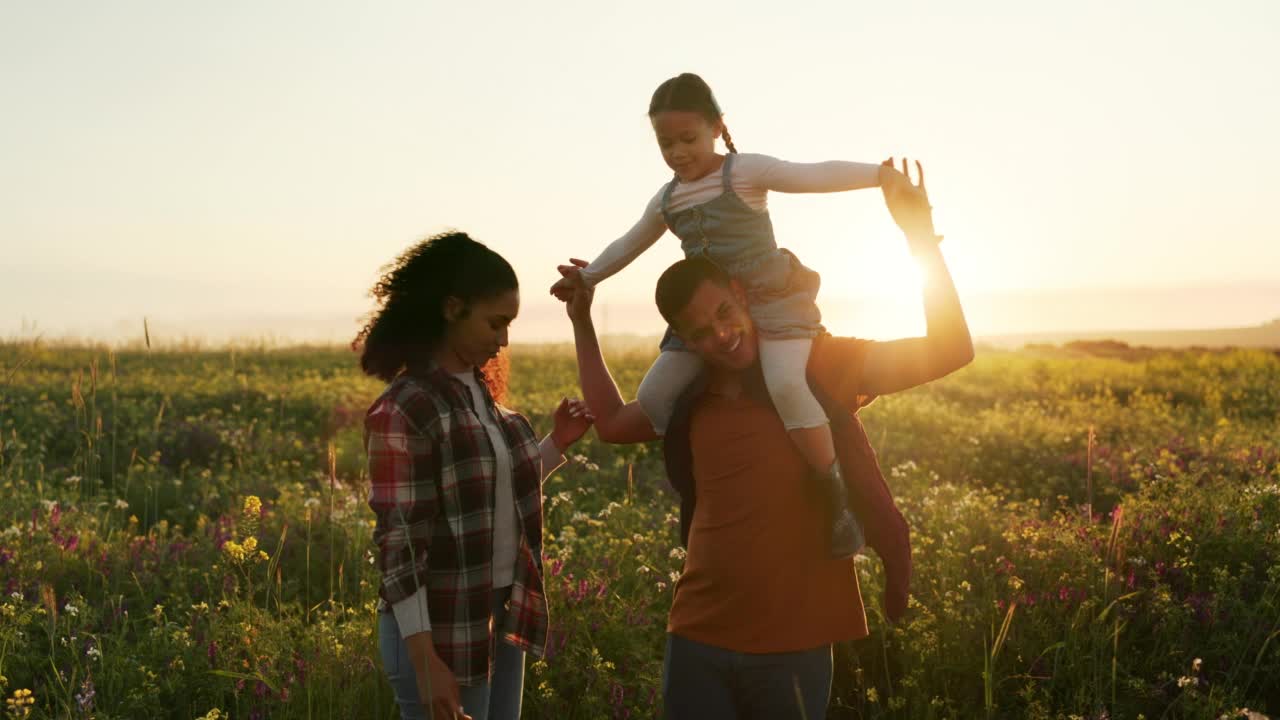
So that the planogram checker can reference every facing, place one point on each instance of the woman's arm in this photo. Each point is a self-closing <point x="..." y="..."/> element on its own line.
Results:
<point x="572" y="419"/>
<point x="403" y="494"/>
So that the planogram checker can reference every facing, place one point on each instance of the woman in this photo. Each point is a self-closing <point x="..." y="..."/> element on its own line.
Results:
<point x="456" y="484"/>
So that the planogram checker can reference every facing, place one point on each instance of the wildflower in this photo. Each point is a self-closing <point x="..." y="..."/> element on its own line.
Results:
<point x="677" y="553"/>
<point x="252" y="506"/>
<point x="93" y="652"/>
<point x="234" y="550"/>
<point x="70" y="609"/>
<point x="73" y="480"/>
<point x="84" y="698"/>
<point x="20" y="704"/>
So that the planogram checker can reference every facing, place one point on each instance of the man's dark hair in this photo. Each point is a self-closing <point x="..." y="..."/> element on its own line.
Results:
<point x="680" y="281"/>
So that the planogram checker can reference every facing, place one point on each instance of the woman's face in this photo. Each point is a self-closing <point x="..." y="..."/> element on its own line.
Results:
<point x="476" y="333"/>
<point x="688" y="143"/>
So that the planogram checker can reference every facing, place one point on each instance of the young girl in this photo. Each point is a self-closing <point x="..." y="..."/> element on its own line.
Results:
<point x="716" y="205"/>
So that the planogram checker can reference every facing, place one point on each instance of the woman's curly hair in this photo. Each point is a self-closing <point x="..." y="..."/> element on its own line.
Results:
<point x="408" y="323"/>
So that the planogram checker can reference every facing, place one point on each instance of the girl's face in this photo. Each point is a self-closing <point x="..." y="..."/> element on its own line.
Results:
<point x="476" y="333"/>
<point x="688" y="143"/>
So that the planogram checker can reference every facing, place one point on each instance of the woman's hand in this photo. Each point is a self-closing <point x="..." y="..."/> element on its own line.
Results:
<point x="446" y="700"/>
<point x="908" y="203"/>
<point x="572" y="420"/>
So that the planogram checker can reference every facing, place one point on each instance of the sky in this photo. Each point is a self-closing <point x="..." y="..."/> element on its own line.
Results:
<point x="244" y="169"/>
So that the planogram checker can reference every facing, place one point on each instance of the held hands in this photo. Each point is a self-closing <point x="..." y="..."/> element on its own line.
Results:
<point x="909" y="203"/>
<point x="570" y="279"/>
<point x="572" y="419"/>
<point x="572" y="290"/>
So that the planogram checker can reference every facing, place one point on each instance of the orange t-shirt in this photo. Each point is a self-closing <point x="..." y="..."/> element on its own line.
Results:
<point x="757" y="578"/>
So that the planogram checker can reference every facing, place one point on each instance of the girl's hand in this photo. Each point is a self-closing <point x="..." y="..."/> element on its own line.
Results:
<point x="570" y="279"/>
<point x="909" y="203"/>
<point x="572" y="420"/>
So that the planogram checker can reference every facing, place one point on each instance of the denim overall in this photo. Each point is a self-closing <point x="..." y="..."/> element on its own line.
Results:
<point x="781" y="291"/>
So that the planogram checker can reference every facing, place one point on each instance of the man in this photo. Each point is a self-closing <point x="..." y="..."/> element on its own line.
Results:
<point x="759" y="602"/>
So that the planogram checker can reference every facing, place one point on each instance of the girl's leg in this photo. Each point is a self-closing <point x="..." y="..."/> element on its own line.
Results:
<point x="784" y="363"/>
<point x="661" y="387"/>
<point x="399" y="668"/>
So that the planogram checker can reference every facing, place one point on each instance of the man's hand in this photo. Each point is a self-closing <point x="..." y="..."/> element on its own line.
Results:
<point x="570" y="279"/>
<point x="575" y="294"/>
<point x="908" y="203"/>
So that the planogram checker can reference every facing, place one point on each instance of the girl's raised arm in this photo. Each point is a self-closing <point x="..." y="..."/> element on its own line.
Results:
<point x="820" y="177"/>
<point x="621" y="252"/>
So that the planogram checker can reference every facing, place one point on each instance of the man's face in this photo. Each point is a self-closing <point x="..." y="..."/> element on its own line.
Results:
<point x="716" y="325"/>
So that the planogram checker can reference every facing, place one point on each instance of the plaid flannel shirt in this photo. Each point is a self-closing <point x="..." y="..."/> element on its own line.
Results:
<point x="432" y="475"/>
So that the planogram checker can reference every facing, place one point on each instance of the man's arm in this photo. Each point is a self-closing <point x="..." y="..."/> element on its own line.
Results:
<point x="851" y="371"/>
<point x="617" y="422"/>
<point x="946" y="347"/>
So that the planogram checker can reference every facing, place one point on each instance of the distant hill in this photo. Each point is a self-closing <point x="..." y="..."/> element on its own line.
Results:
<point x="1259" y="336"/>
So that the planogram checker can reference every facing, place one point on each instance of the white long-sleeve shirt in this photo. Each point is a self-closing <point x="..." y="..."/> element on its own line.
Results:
<point x="752" y="177"/>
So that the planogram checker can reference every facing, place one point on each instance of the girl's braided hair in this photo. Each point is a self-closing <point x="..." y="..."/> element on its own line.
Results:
<point x="687" y="92"/>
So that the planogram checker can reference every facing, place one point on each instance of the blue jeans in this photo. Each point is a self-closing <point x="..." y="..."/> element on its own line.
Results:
<point x="711" y="683"/>
<point x="497" y="699"/>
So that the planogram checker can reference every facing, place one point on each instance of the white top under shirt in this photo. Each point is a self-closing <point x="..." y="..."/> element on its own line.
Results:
<point x="411" y="613"/>
<point x="752" y="177"/>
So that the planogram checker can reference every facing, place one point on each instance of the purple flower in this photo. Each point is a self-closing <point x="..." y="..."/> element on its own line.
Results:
<point x="84" y="698"/>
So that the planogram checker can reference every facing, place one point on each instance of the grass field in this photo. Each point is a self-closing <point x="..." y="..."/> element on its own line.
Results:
<point x="184" y="534"/>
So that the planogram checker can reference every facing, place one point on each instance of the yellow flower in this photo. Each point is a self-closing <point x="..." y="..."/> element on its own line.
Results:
<point x="250" y="544"/>
<point x="234" y="550"/>
<point x="252" y="506"/>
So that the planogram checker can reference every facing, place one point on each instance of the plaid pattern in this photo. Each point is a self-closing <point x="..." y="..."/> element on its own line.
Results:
<point x="432" y="471"/>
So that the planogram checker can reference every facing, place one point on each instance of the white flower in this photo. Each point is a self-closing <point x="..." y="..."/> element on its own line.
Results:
<point x="677" y="553"/>
<point x="94" y="653"/>
<point x="122" y="504"/>
<point x="71" y="609"/>
<point x="72" y="480"/>
<point x="579" y="517"/>
<point x="311" y="502"/>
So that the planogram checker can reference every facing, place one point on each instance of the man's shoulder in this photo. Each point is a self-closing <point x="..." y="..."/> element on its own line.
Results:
<point x="835" y="367"/>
